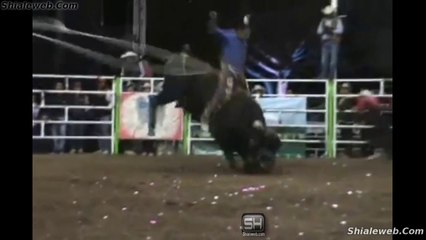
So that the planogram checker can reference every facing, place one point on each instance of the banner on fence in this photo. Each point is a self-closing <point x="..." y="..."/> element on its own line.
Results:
<point x="134" y="115"/>
<point x="271" y="107"/>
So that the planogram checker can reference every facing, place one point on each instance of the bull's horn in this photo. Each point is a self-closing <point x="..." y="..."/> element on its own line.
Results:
<point x="258" y="124"/>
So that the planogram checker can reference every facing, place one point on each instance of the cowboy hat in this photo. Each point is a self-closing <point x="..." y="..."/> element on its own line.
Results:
<point x="258" y="88"/>
<point x="365" y="93"/>
<point x="346" y="85"/>
<point x="146" y="85"/>
<point x="328" y="10"/>
<point x="128" y="54"/>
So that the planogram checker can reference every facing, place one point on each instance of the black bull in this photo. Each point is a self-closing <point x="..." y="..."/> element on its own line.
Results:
<point x="237" y="126"/>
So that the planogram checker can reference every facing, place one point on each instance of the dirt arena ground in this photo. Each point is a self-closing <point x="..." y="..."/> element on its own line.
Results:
<point x="95" y="197"/>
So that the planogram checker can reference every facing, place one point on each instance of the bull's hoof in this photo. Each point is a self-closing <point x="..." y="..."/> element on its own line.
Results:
<point x="267" y="167"/>
<point x="259" y="168"/>
<point x="229" y="157"/>
<point x="251" y="168"/>
<point x="233" y="165"/>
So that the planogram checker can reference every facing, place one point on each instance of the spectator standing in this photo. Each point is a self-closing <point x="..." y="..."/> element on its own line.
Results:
<point x="158" y="86"/>
<point x="344" y="117"/>
<point x="127" y="145"/>
<point x="147" y="147"/>
<point x="58" y="114"/>
<point x="104" y="100"/>
<point x="369" y="111"/>
<point x="258" y="91"/>
<point x="330" y="29"/>
<point x="78" y="114"/>
<point x="36" y="108"/>
<point x="131" y="59"/>
<point x="139" y="146"/>
<point x="145" y="69"/>
<point x="36" y="114"/>
<point x="145" y="87"/>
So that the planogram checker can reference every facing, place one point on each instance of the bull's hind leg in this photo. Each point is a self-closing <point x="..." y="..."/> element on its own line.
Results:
<point x="172" y="91"/>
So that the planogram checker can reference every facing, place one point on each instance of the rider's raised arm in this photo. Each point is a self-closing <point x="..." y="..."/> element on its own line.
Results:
<point x="213" y="28"/>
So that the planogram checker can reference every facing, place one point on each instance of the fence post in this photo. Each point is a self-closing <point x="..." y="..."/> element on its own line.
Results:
<point x="187" y="134"/>
<point x="331" y="118"/>
<point x="335" y="109"/>
<point x="382" y="87"/>
<point x="116" y="118"/>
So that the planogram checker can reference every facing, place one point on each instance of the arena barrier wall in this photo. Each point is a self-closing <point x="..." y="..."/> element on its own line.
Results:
<point x="288" y="113"/>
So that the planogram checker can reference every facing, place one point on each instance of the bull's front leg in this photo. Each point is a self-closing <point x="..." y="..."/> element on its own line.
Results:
<point x="229" y="157"/>
<point x="251" y="165"/>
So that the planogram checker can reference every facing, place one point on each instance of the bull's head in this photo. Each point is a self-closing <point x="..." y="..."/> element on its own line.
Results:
<point x="264" y="146"/>
<point x="268" y="151"/>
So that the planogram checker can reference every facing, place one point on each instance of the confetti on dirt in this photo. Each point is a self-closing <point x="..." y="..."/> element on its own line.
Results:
<point x="125" y="197"/>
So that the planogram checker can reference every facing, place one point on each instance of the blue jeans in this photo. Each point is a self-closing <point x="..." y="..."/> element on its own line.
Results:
<point x="329" y="52"/>
<point x="104" y="130"/>
<point x="59" y="130"/>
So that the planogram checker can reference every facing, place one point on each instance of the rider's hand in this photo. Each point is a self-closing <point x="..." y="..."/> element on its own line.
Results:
<point x="213" y="14"/>
<point x="247" y="19"/>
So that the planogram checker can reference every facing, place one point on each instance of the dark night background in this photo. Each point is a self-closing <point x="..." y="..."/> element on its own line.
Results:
<point x="277" y="27"/>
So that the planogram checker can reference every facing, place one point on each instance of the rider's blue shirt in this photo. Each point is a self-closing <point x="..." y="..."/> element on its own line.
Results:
<point x="234" y="49"/>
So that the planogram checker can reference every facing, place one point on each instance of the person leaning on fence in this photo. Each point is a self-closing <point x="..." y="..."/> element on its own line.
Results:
<point x="104" y="129"/>
<point x="258" y="91"/>
<point x="37" y="113"/>
<point x="57" y="114"/>
<point x="330" y="30"/>
<point x="36" y="110"/>
<point x="129" y="60"/>
<point x="369" y="112"/>
<point x="145" y="147"/>
<point x="78" y="114"/>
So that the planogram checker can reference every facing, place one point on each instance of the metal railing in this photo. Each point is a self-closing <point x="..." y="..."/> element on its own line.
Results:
<point x="330" y="96"/>
<point x="382" y="94"/>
